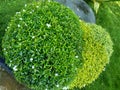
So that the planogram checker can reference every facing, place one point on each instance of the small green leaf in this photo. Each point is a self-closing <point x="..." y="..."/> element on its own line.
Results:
<point x="96" y="6"/>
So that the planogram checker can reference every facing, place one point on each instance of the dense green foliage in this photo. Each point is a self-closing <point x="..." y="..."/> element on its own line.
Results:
<point x="7" y="9"/>
<point x="43" y="45"/>
<point x="96" y="54"/>
<point x="109" y="80"/>
<point x="109" y="17"/>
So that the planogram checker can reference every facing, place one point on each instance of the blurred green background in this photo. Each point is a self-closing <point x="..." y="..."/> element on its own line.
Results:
<point x="108" y="16"/>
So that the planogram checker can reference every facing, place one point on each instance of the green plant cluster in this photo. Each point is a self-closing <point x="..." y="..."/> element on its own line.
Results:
<point x="43" y="45"/>
<point x="108" y="17"/>
<point x="48" y="47"/>
<point x="96" y="53"/>
<point x="7" y="10"/>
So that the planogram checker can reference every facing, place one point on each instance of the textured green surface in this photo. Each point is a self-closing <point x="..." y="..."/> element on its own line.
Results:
<point x="110" y="79"/>
<point x="43" y="45"/>
<point x="96" y="52"/>
<point x="109" y="18"/>
<point x="7" y="9"/>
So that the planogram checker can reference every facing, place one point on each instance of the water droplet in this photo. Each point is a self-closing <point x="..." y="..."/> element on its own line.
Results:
<point x="33" y="67"/>
<point x="48" y="25"/>
<point x="20" y="19"/>
<point x="84" y="85"/>
<point x="33" y="37"/>
<point x="24" y="10"/>
<point x="17" y="12"/>
<point x="76" y="56"/>
<point x="57" y="85"/>
<point x="4" y="49"/>
<point x="65" y="88"/>
<point x="15" y="68"/>
<point x="37" y="6"/>
<point x="18" y="25"/>
<point x="8" y="27"/>
<point x="30" y="12"/>
<point x="31" y="59"/>
<point x="56" y="74"/>
<point x="25" y="5"/>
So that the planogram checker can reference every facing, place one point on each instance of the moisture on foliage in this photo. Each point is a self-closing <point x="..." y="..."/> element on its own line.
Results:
<point x="48" y="47"/>
<point x="43" y="45"/>
<point x="7" y="10"/>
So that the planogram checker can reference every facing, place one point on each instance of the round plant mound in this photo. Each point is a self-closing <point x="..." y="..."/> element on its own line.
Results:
<point x="47" y="47"/>
<point x="43" y="46"/>
<point x="96" y="53"/>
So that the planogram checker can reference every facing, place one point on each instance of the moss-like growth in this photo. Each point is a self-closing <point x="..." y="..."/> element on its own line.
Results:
<point x="43" y="45"/>
<point x="7" y="10"/>
<point x="47" y="47"/>
<point x="96" y="53"/>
